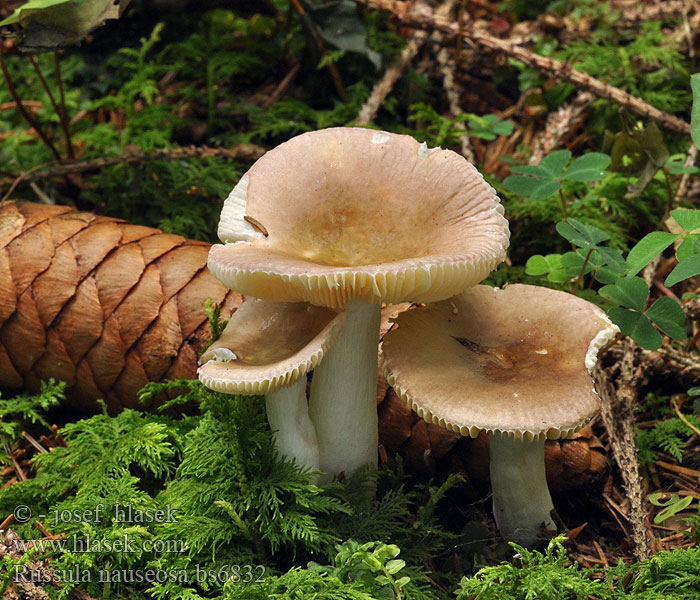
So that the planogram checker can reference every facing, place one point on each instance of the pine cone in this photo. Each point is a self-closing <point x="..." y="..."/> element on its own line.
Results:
<point x="102" y="304"/>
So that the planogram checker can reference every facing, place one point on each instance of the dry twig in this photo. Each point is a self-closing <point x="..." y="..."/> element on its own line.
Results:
<point x="384" y="86"/>
<point x="559" y="124"/>
<point x="242" y="152"/>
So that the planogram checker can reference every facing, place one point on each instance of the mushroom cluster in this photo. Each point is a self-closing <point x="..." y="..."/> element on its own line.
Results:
<point x="515" y="362"/>
<point x="346" y="219"/>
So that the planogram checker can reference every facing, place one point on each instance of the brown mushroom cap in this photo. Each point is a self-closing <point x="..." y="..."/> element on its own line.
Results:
<point x="268" y="345"/>
<point x="347" y="213"/>
<point x="513" y="360"/>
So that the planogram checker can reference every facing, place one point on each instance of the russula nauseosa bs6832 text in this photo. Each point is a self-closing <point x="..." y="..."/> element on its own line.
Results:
<point x="353" y="218"/>
<point x="514" y="362"/>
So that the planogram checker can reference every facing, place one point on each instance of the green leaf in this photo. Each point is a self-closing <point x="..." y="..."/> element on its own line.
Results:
<point x="551" y="265"/>
<point x="613" y="258"/>
<point x="24" y="11"/>
<point x="675" y="505"/>
<point x="688" y="219"/>
<point x="688" y="247"/>
<point x="690" y="267"/>
<point x="648" y="248"/>
<point x="636" y="326"/>
<point x="533" y="170"/>
<point x="695" y="112"/>
<point x="676" y="165"/>
<point x="534" y="188"/>
<point x="61" y="22"/>
<point x="631" y="292"/>
<point x="572" y="263"/>
<point x="395" y="565"/>
<point x="668" y="316"/>
<point x="555" y="162"/>
<point x="588" y="167"/>
<point x="607" y="276"/>
<point x="580" y="234"/>
<point x="537" y="265"/>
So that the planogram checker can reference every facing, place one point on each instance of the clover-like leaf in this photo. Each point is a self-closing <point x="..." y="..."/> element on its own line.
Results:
<point x="689" y="246"/>
<point x="589" y="167"/>
<point x="648" y="248"/>
<point x="535" y="188"/>
<point x="613" y="258"/>
<point x="669" y="317"/>
<point x="539" y="181"/>
<point x="581" y="234"/>
<point x="555" y="162"/>
<point x="687" y="218"/>
<point x="685" y="269"/>
<point x="637" y="326"/>
<point x="632" y="292"/>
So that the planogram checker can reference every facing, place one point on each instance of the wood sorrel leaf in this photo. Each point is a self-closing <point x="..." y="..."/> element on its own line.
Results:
<point x="637" y="326"/>
<point x="588" y="167"/>
<point x="669" y="317"/>
<point x="631" y="292"/>
<point x="646" y="249"/>
<point x="690" y="267"/>
<point x="580" y="234"/>
<point x="687" y="218"/>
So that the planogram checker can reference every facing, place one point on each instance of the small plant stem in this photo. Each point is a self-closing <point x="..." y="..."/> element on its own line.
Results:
<point x="564" y="210"/>
<point x="693" y="341"/>
<point x="61" y="116"/>
<point x="23" y="111"/>
<point x="581" y="275"/>
<point x="682" y="417"/>
<point x="64" y="111"/>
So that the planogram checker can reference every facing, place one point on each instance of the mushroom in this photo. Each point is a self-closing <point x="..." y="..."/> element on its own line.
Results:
<point x="267" y="348"/>
<point x="515" y="362"/>
<point x="353" y="218"/>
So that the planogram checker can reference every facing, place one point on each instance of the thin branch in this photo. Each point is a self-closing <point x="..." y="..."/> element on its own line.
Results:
<point x="32" y="122"/>
<point x="242" y="152"/>
<point x="63" y="113"/>
<point x="384" y="86"/>
<point x="559" y="123"/>
<point x="59" y="113"/>
<point x="420" y="16"/>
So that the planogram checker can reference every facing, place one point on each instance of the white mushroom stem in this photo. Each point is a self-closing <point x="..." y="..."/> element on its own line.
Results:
<point x="343" y="403"/>
<point x="288" y="416"/>
<point x="521" y="502"/>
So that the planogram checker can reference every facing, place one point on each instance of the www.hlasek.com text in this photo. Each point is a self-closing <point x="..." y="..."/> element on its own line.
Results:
<point x="85" y="543"/>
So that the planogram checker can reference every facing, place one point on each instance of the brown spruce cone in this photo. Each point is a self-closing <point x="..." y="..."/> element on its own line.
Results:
<point x="109" y="306"/>
<point x="102" y="304"/>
